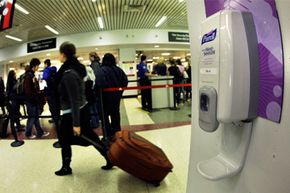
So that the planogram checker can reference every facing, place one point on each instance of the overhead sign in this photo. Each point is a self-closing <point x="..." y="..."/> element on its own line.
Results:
<point x="6" y="14"/>
<point x="178" y="37"/>
<point x="41" y="45"/>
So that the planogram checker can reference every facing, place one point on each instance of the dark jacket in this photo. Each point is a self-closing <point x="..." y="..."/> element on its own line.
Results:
<point x="2" y="92"/>
<point x="71" y="88"/>
<point x="160" y="69"/>
<point x="10" y="89"/>
<point x="95" y="66"/>
<point x="31" y="88"/>
<point x="174" y="71"/>
<point x="111" y="77"/>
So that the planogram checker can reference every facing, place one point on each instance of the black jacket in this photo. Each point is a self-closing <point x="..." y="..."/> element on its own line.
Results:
<point x="71" y="88"/>
<point x="111" y="77"/>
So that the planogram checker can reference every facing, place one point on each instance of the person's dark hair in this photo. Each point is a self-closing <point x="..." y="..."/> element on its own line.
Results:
<point x="109" y="60"/>
<point x="143" y="58"/>
<point x="34" y="62"/>
<point x="11" y="76"/>
<point x="47" y="62"/>
<point x="95" y="56"/>
<point x="179" y="62"/>
<point x="26" y="68"/>
<point x="68" y="49"/>
<point x="172" y="61"/>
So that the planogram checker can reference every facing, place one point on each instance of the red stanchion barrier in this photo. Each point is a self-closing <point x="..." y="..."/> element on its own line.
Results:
<point x="146" y="87"/>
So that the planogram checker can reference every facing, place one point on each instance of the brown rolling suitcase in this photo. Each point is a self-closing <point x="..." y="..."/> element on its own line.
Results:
<point x="137" y="156"/>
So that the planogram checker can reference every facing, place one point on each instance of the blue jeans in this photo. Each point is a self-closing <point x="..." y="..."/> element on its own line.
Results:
<point x="94" y="115"/>
<point x="33" y="119"/>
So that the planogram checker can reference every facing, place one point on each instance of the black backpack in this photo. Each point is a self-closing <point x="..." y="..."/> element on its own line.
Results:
<point x="19" y="86"/>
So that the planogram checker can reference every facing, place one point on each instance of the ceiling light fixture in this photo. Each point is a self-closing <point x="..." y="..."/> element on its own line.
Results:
<point x="13" y="38"/>
<point x="96" y="48"/>
<point x="51" y="29"/>
<point x="156" y="46"/>
<point x="101" y="23"/>
<point x="94" y="1"/>
<point x="10" y="61"/>
<point x="180" y="1"/>
<point x="165" y="54"/>
<point x="19" y="8"/>
<point x="48" y="54"/>
<point x="161" y="21"/>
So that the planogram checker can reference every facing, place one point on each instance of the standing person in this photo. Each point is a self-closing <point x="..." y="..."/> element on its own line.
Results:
<point x="91" y="97"/>
<point x="174" y="71"/>
<point x="95" y="61"/>
<point x="32" y="95"/>
<point x="111" y="76"/>
<point x="95" y="103"/>
<point x="160" y="68"/>
<point x="2" y="96"/>
<point x="183" y="76"/>
<point x="143" y="78"/>
<point x="188" y="89"/>
<point x="13" y="101"/>
<point x="49" y="74"/>
<point x="76" y="116"/>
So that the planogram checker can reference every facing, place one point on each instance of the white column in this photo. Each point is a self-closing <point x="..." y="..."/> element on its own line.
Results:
<point x="128" y="63"/>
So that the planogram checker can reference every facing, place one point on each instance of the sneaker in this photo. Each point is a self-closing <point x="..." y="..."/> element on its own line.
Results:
<point x="31" y="137"/>
<point x="45" y="134"/>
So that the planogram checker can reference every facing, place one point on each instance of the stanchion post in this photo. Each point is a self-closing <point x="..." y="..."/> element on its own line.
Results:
<point x="15" y="143"/>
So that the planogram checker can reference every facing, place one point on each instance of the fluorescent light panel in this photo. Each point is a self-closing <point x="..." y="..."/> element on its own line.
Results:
<point x="165" y="54"/>
<point x="51" y="29"/>
<point x="13" y="38"/>
<point x="101" y="23"/>
<point x="19" y="8"/>
<point x="156" y="46"/>
<point x="161" y="21"/>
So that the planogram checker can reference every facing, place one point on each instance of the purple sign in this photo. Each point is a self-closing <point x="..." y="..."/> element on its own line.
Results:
<point x="270" y="50"/>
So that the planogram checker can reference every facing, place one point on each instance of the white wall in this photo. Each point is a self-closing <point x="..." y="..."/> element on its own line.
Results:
<point x="267" y="168"/>
<point x="103" y="38"/>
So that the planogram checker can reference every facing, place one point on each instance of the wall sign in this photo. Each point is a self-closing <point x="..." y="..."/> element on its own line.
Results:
<point x="6" y="14"/>
<point x="178" y="37"/>
<point x="270" y="50"/>
<point x="41" y="45"/>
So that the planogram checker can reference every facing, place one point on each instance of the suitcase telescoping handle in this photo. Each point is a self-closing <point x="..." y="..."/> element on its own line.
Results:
<point x="104" y="126"/>
<point x="92" y="142"/>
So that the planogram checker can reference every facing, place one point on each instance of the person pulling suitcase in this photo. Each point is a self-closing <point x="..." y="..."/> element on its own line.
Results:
<point x="75" y="120"/>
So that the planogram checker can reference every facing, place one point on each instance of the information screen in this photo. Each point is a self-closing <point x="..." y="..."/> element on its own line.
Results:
<point x="6" y="14"/>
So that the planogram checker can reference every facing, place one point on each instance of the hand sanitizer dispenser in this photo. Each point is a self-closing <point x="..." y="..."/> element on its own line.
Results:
<point x="228" y="88"/>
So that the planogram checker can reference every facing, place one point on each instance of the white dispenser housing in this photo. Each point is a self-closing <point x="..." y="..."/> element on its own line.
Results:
<point x="228" y="88"/>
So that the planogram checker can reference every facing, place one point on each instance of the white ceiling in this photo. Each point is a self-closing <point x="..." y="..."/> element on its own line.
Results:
<point x="77" y="16"/>
<point x="149" y="50"/>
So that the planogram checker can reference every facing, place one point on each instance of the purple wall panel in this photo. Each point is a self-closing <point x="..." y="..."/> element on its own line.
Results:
<point x="270" y="49"/>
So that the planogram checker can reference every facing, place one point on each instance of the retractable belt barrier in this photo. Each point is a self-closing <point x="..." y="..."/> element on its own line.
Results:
<point x="18" y="143"/>
<point x="146" y="87"/>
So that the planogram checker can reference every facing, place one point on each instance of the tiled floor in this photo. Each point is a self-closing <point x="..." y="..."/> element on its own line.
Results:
<point x="30" y="168"/>
<point x="134" y="118"/>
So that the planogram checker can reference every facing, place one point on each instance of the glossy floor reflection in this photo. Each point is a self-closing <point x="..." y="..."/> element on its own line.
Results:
<point x="30" y="168"/>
